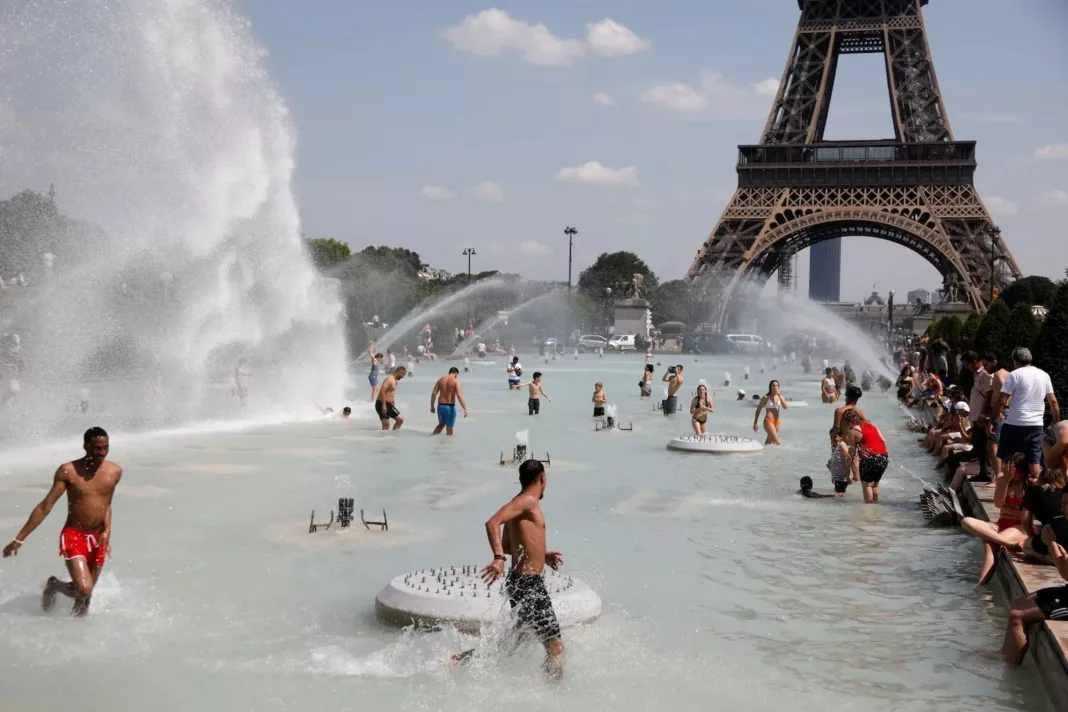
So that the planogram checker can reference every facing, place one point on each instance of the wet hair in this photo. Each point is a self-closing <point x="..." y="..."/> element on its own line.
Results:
<point x="852" y="417"/>
<point x="598" y="385"/>
<point x="806" y="482"/>
<point x="94" y="432"/>
<point x="530" y="471"/>
<point x="515" y="359"/>
<point x="771" y="382"/>
<point x="649" y="367"/>
<point x="378" y="356"/>
<point x="828" y="371"/>
<point x="678" y="368"/>
<point x="537" y="375"/>
<point x="853" y="393"/>
<point x="453" y="371"/>
<point x="1022" y="356"/>
<point x="346" y="410"/>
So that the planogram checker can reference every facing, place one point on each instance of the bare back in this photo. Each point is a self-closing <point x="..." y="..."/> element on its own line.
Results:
<point x="446" y="387"/>
<point x="89" y="493"/>
<point x="524" y="536"/>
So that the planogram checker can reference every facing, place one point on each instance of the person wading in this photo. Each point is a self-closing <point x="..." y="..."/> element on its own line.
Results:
<point x="89" y="484"/>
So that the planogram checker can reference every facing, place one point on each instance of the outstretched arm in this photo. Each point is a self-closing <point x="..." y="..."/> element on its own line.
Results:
<point x="41" y="511"/>
<point x="542" y="391"/>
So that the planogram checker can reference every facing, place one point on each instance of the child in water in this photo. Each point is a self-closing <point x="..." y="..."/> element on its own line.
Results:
<point x="839" y="464"/>
<point x="806" y="490"/>
<point x="600" y="399"/>
<point x="534" y="391"/>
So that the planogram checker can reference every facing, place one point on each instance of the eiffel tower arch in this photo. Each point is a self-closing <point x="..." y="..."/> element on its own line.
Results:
<point x="796" y="190"/>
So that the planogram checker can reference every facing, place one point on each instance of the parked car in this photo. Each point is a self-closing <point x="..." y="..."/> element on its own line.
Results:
<point x="592" y="342"/>
<point x="622" y="343"/>
<point x="708" y="344"/>
<point x="748" y="343"/>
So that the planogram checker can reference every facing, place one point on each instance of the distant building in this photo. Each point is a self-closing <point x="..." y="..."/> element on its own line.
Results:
<point x="825" y="271"/>
<point x="922" y="295"/>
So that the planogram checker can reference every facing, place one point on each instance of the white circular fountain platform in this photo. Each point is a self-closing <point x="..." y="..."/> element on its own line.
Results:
<point x="711" y="442"/>
<point x="457" y="596"/>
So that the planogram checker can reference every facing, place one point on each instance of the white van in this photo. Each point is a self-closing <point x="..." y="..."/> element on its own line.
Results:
<point x="747" y="343"/>
<point x="622" y="343"/>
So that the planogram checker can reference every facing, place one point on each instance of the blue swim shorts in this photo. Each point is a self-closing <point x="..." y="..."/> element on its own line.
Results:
<point x="447" y="414"/>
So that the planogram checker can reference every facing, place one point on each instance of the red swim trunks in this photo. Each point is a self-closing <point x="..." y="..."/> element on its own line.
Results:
<point x="74" y="543"/>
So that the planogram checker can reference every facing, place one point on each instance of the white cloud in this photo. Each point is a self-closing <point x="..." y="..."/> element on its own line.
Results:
<point x="1000" y="206"/>
<point x="530" y="247"/>
<point x="487" y="190"/>
<point x="677" y="97"/>
<point x="1057" y="197"/>
<point x="608" y="38"/>
<point x="433" y="192"/>
<point x="493" y="32"/>
<point x="602" y="98"/>
<point x="768" y="87"/>
<point x="715" y="97"/>
<point x="1052" y="152"/>
<point x="594" y="173"/>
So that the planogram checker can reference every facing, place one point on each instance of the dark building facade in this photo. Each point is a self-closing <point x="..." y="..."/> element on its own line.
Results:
<point x="825" y="271"/>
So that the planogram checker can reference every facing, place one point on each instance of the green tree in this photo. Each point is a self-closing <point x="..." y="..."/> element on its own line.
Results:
<point x="1029" y="290"/>
<point x="991" y="334"/>
<point x="1021" y="330"/>
<point x="31" y="225"/>
<point x="1051" y="347"/>
<point x="677" y="300"/>
<point x="615" y="270"/>
<point x="969" y="331"/>
<point x="327" y="253"/>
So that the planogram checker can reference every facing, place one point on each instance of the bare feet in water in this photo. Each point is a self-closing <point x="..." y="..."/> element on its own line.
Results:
<point x="48" y="597"/>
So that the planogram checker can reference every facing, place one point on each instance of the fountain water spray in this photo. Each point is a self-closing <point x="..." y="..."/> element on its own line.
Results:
<point x="161" y="126"/>
<point x="491" y="322"/>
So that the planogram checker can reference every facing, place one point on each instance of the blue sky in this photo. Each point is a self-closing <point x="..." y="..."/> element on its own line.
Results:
<point x="446" y="124"/>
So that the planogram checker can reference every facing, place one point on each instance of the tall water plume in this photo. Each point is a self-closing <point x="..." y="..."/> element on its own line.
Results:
<point x="158" y="122"/>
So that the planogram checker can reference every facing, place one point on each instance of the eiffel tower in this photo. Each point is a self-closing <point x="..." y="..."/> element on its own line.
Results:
<point x="796" y="190"/>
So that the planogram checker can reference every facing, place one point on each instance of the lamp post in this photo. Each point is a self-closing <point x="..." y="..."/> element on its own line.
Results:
<point x="890" y="312"/>
<point x="570" y="232"/>
<point x="468" y="251"/>
<point x="995" y="237"/>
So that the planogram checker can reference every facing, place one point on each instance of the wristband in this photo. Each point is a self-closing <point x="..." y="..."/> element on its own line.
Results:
<point x="20" y="543"/>
<point x="499" y="557"/>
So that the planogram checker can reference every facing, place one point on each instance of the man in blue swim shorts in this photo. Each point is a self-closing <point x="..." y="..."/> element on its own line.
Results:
<point x="447" y="392"/>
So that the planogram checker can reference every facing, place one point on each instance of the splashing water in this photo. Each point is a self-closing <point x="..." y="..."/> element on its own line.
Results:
<point x="523" y="438"/>
<point x="158" y="123"/>
<point x="488" y="324"/>
<point x="420" y="315"/>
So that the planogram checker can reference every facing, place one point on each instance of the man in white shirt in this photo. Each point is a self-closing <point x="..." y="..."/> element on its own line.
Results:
<point x="1030" y="389"/>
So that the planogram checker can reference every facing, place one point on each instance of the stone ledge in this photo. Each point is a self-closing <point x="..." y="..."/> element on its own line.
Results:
<point x="1018" y="577"/>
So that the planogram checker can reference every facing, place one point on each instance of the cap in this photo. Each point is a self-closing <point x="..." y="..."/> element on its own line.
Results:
<point x="741" y="392"/>
<point x="962" y="406"/>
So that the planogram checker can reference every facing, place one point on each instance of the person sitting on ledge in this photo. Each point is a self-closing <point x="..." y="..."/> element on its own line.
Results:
<point x="1014" y="525"/>
<point x="1050" y="604"/>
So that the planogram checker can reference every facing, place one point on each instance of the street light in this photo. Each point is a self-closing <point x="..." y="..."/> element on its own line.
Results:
<point x="995" y="236"/>
<point x="468" y="251"/>
<point x="570" y="232"/>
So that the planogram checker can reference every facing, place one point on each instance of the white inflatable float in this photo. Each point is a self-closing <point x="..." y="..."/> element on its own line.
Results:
<point x="714" y="443"/>
<point x="456" y="595"/>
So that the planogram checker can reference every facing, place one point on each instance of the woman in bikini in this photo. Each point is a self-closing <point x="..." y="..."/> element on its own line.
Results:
<point x="870" y="457"/>
<point x="700" y="407"/>
<point x="771" y="403"/>
<point x="1015" y="524"/>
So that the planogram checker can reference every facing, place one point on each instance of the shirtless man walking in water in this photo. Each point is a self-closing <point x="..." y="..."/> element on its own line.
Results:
<point x="447" y="391"/>
<point x="674" y="379"/>
<point x="89" y="483"/>
<point x="386" y="404"/>
<point x="524" y="541"/>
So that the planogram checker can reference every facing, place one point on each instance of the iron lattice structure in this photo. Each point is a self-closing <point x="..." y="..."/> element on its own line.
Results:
<point x="796" y="189"/>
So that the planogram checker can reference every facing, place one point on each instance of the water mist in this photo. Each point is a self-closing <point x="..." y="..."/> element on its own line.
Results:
<point x="157" y="122"/>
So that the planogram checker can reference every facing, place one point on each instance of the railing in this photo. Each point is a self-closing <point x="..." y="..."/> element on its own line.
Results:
<point x="852" y="153"/>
